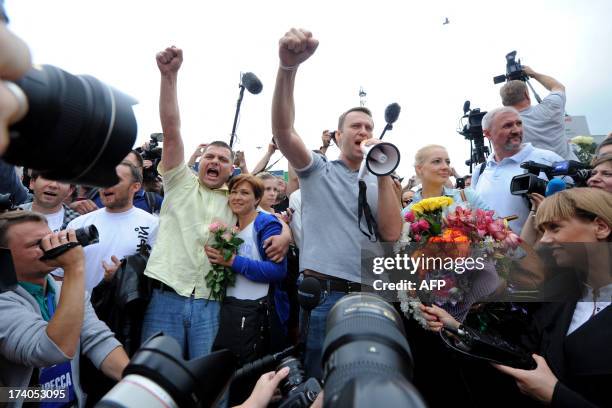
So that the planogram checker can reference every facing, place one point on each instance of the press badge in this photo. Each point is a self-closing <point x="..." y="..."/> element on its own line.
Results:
<point x="57" y="377"/>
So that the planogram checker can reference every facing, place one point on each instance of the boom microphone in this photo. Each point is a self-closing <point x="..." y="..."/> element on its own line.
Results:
<point x="392" y="113"/>
<point x="251" y="83"/>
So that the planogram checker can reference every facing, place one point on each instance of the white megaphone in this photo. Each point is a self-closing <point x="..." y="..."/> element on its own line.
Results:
<point x="380" y="159"/>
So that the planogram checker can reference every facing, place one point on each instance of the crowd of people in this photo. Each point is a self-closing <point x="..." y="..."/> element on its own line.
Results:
<point x="306" y="226"/>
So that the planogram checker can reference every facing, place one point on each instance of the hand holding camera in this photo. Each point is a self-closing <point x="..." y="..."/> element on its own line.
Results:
<point x="62" y="250"/>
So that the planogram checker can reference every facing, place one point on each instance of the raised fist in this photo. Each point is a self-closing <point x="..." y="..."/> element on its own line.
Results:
<point x="169" y="60"/>
<point x="296" y="46"/>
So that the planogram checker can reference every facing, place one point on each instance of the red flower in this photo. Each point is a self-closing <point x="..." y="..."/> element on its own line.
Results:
<point x="409" y="216"/>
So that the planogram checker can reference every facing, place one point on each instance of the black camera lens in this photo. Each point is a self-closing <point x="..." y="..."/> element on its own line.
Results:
<point x="72" y="117"/>
<point x="365" y="340"/>
<point x="526" y="184"/>
<point x="87" y="235"/>
<point x="294" y="378"/>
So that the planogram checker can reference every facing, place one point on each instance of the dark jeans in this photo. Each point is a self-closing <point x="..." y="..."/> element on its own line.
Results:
<point x="316" y="332"/>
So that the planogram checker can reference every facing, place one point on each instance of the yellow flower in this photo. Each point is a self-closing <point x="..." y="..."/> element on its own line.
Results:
<point x="431" y="204"/>
<point x="580" y="140"/>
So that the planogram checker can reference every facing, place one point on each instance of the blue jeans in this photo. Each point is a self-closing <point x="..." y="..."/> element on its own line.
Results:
<point x="316" y="332"/>
<point x="192" y="322"/>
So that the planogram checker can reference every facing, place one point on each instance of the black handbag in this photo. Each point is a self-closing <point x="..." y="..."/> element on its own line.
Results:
<point x="244" y="328"/>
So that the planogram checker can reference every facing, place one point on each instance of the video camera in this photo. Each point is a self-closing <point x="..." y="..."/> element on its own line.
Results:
<point x="528" y="183"/>
<point x="472" y="131"/>
<point x="514" y="70"/>
<point x="153" y="153"/>
<point x="85" y="235"/>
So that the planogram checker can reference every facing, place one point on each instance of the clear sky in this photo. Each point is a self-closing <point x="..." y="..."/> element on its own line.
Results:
<point x="398" y="51"/>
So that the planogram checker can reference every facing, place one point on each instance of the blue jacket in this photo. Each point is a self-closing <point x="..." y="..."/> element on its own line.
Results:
<point x="266" y="271"/>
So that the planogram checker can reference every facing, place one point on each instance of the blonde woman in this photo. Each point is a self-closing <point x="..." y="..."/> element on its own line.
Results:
<point x="432" y="167"/>
<point x="572" y="338"/>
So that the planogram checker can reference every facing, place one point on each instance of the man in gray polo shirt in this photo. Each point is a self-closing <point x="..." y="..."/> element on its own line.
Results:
<point x="332" y="240"/>
<point x="543" y="124"/>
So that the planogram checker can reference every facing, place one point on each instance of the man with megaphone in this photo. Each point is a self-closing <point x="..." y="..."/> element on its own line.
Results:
<point x="332" y="237"/>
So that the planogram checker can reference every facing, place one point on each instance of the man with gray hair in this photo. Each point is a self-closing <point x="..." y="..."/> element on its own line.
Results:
<point x="491" y="180"/>
<point x="543" y="124"/>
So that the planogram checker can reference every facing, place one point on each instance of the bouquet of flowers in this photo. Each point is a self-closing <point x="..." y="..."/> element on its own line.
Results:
<point x="438" y="232"/>
<point x="585" y="148"/>
<point x="220" y="277"/>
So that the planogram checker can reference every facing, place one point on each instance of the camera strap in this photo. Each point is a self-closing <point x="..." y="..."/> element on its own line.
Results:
<point x="363" y="209"/>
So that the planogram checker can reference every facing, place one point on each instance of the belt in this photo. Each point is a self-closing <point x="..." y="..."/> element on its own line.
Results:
<point x="161" y="286"/>
<point x="336" y="285"/>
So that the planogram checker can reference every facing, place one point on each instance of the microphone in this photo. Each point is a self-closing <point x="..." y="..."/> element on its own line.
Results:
<point x="251" y="83"/>
<point x="554" y="186"/>
<point x="309" y="295"/>
<point x="392" y="113"/>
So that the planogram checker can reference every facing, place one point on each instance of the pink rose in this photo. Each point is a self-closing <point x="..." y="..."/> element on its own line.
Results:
<point x="415" y="228"/>
<point x="216" y="226"/>
<point x="423" y="224"/>
<point x="409" y="216"/>
<point x="227" y="236"/>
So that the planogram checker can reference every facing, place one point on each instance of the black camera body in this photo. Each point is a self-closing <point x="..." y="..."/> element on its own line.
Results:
<point x="297" y="391"/>
<point x="514" y="70"/>
<point x="153" y="153"/>
<point x="529" y="183"/>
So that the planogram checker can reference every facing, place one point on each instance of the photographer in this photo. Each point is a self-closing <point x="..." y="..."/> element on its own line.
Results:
<point x="543" y="124"/>
<point x="43" y="329"/>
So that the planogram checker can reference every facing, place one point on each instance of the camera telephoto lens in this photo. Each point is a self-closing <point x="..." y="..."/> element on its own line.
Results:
<point x="77" y="129"/>
<point x="365" y="348"/>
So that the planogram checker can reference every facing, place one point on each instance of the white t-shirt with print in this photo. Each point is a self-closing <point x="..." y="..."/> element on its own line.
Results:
<point x="121" y="234"/>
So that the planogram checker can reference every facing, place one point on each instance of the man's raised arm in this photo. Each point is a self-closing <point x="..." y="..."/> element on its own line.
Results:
<point x="548" y="82"/>
<point x="169" y="61"/>
<point x="295" y="47"/>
